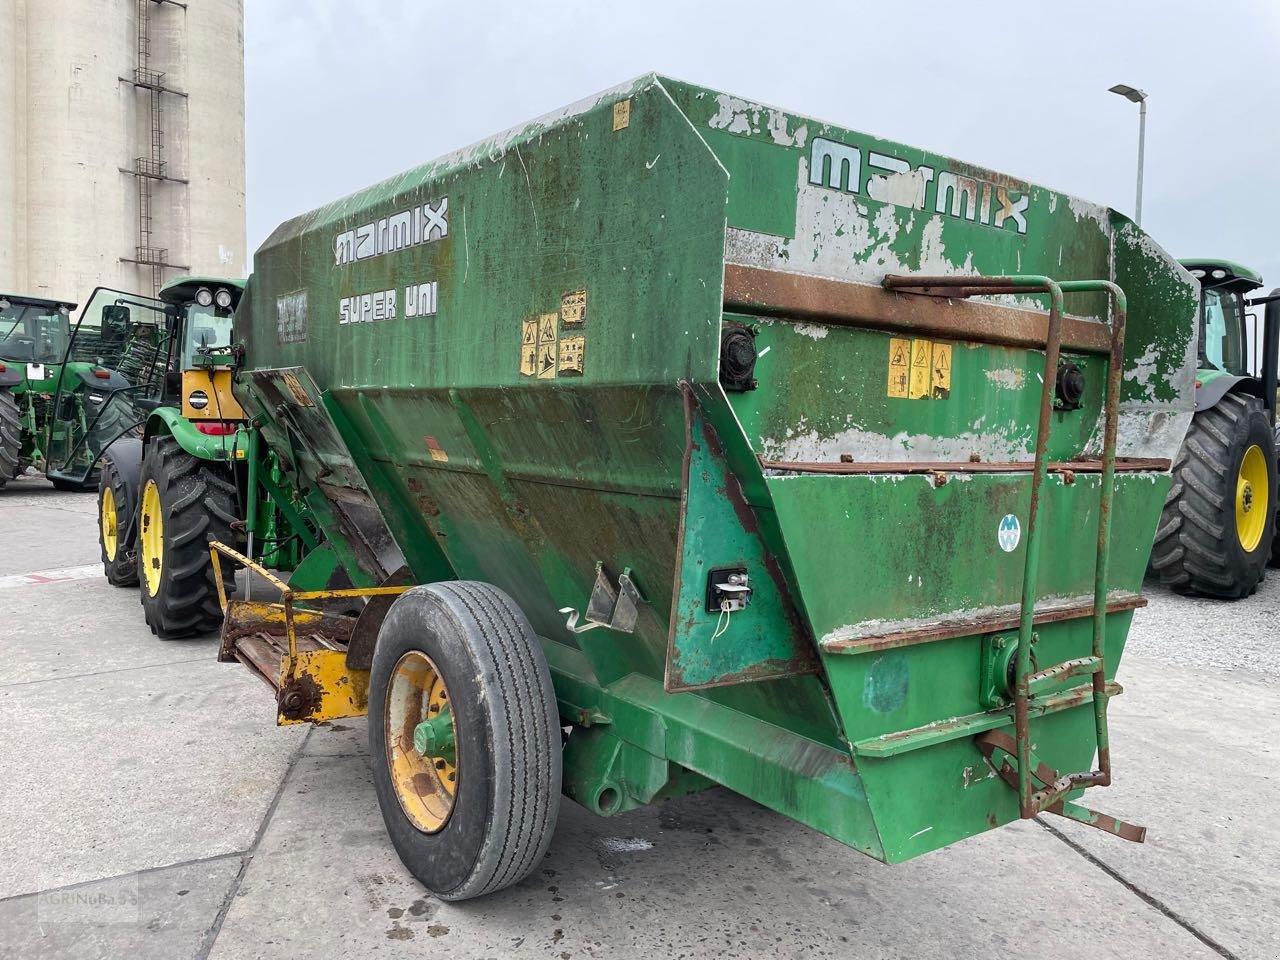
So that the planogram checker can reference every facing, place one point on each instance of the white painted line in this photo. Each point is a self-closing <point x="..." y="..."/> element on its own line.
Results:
<point x="61" y="575"/>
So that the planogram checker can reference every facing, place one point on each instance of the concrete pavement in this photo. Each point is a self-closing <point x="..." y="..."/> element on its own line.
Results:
<point x="152" y="809"/>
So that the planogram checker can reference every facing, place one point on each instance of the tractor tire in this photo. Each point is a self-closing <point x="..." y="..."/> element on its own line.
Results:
<point x="183" y="504"/>
<point x="477" y="815"/>
<point x="1275" y="540"/>
<point x="1218" y="525"/>
<point x="10" y="438"/>
<point x="119" y="552"/>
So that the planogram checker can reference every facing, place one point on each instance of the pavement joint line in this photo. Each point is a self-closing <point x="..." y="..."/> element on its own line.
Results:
<point x="99" y="673"/>
<point x="1156" y="904"/>
<point x="246" y="856"/>
<point x="36" y="578"/>
<point x="129" y="873"/>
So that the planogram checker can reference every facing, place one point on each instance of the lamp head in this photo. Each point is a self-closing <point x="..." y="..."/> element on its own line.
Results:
<point x="1132" y="94"/>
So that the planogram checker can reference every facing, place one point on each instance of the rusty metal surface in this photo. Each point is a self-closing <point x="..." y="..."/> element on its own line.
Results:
<point x="838" y="302"/>
<point x="1122" y="465"/>
<point x="1055" y="785"/>
<point x="989" y="622"/>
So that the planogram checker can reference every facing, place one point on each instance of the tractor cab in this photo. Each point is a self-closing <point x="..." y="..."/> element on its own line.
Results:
<point x="166" y="357"/>
<point x="34" y="334"/>
<point x="33" y="331"/>
<point x="1224" y="336"/>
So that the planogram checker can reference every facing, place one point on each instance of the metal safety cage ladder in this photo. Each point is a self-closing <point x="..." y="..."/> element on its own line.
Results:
<point x="1051" y="795"/>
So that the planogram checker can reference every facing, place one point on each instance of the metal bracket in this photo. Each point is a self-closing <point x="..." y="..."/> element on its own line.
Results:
<point x="614" y="607"/>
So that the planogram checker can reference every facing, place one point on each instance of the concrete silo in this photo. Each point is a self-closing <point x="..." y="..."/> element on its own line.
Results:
<point x="121" y="143"/>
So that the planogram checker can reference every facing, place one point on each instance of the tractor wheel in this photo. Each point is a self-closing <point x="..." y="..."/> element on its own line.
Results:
<point x="119" y="557"/>
<point x="183" y="503"/>
<point x="1216" y="531"/>
<point x="464" y="736"/>
<point x="10" y="438"/>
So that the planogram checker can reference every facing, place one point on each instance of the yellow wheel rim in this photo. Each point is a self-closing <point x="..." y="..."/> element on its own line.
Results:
<point x="151" y="537"/>
<point x="426" y="784"/>
<point x="108" y="521"/>
<point x="1253" y="494"/>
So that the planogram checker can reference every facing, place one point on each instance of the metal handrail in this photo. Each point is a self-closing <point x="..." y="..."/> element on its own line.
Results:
<point x="1032" y="802"/>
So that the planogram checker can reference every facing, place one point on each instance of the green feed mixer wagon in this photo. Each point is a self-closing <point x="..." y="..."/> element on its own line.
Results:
<point x="673" y="441"/>
<point x="1217" y="533"/>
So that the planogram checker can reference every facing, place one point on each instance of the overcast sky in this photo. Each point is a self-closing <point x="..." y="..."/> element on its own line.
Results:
<point x="341" y="94"/>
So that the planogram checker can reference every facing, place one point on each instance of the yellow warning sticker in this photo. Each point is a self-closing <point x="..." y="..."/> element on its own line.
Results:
<point x="941" y="371"/>
<point x="899" y="365"/>
<point x="571" y="351"/>
<point x="573" y="309"/>
<point x="529" y="346"/>
<point x="921" y="384"/>
<point x="547" y="360"/>
<point x="547" y="324"/>
<point x="621" y="115"/>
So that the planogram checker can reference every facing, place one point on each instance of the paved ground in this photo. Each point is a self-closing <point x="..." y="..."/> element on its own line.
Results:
<point x="152" y="809"/>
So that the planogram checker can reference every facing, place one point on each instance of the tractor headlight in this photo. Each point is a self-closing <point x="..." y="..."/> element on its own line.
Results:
<point x="97" y="398"/>
<point x="223" y="298"/>
<point x="204" y="296"/>
<point x="198" y="399"/>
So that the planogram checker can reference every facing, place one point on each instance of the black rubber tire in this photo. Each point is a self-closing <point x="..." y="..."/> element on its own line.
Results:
<point x="1196" y="549"/>
<point x="1275" y="540"/>
<point x="198" y="504"/>
<point x="10" y="438"/>
<point x="508" y="738"/>
<point x="122" y="569"/>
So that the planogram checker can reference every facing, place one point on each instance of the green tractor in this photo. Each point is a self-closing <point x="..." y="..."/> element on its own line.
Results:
<point x="179" y="473"/>
<point x="1217" y="531"/>
<point x="34" y="333"/>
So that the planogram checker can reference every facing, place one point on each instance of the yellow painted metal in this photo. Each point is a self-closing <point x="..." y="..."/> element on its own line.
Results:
<point x="340" y="691"/>
<point x="425" y="786"/>
<point x="216" y="385"/>
<point x="151" y="526"/>
<point x="109" y="523"/>
<point x="1252" y="498"/>
<point x="343" y="692"/>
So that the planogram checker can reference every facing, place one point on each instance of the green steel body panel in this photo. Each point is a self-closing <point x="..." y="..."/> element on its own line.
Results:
<point x="516" y="348"/>
<point x="169" y="421"/>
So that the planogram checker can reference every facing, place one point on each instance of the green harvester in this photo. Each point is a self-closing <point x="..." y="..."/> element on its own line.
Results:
<point x="674" y="440"/>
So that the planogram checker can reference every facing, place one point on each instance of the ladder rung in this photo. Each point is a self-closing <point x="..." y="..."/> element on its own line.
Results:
<point x="1041" y="680"/>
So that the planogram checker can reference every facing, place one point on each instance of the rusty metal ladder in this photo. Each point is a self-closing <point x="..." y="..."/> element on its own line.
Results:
<point x="1026" y="770"/>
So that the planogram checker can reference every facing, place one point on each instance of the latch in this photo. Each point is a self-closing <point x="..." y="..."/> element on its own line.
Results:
<point x="609" y="606"/>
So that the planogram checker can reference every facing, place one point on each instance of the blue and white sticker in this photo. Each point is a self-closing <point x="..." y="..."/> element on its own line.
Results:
<point x="1009" y="533"/>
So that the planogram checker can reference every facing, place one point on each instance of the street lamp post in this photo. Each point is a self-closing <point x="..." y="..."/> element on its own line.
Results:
<point x="1134" y="95"/>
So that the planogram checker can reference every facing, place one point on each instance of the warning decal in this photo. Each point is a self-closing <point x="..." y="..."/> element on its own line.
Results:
<point x="571" y="350"/>
<point x="941" y="371"/>
<point x="919" y="369"/>
<point x="573" y="309"/>
<point x="899" y="363"/>
<point x="547" y="325"/>
<point x="921" y="380"/>
<point x="529" y="346"/>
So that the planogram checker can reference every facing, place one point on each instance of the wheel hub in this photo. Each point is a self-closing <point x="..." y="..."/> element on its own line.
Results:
<point x="110" y="533"/>
<point x="422" y="751"/>
<point x="151" y="537"/>
<point x="1252" y="493"/>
